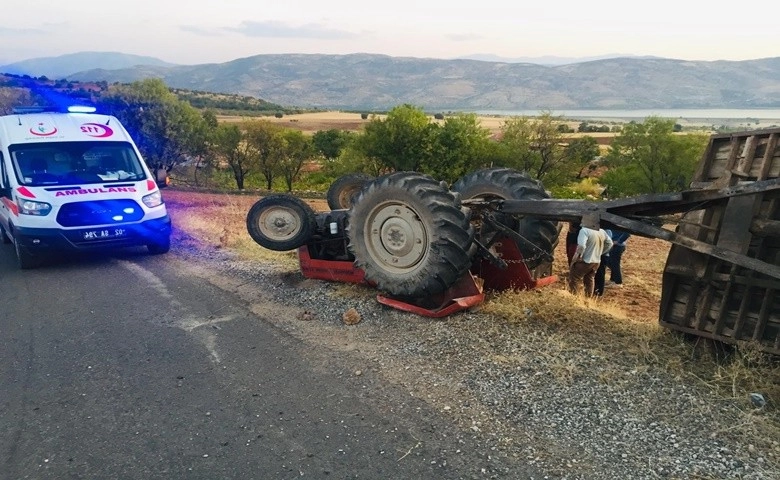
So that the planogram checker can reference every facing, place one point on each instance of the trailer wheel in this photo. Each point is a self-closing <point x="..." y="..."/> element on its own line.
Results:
<point x="343" y="190"/>
<point x="509" y="184"/>
<point x="409" y="235"/>
<point x="281" y="222"/>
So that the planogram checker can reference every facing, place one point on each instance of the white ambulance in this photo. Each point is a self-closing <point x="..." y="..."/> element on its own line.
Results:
<point x="74" y="180"/>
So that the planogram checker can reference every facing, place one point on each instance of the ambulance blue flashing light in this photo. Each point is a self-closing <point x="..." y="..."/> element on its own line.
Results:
<point x="81" y="109"/>
<point x="70" y="109"/>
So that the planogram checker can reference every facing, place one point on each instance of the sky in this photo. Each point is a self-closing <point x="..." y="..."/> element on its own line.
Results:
<point x="199" y="31"/>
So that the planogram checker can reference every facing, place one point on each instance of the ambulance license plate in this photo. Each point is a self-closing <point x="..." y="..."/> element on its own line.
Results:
<point x="104" y="233"/>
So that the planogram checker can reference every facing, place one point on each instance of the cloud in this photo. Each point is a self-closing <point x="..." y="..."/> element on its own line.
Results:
<point x="282" y="30"/>
<point x="464" y="37"/>
<point x="20" y="31"/>
<point x="200" y="31"/>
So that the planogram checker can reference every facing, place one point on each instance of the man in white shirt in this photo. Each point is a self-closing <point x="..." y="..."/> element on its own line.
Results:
<point x="592" y="243"/>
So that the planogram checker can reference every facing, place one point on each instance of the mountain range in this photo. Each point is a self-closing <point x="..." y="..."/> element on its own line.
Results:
<point x="378" y="82"/>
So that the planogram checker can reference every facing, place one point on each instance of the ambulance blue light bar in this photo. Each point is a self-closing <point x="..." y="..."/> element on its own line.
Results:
<point x="81" y="109"/>
<point x="41" y="109"/>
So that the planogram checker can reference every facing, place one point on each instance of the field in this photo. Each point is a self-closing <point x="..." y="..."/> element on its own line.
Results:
<point x="352" y="121"/>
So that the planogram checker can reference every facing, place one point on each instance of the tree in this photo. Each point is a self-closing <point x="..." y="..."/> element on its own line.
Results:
<point x="166" y="130"/>
<point x="229" y="146"/>
<point x="203" y="159"/>
<point x="461" y="146"/>
<point x="581" y="151"/>
<point x="402" y="141"/>
<point x="330" y="143"/>
<point x="296" y="149"/>
<point x="535" y="146"/>
<point x="210" y="118"/>
<point x="265" y="146"/>
<point x="649" y="158"/>
<point x="11" y="97"/>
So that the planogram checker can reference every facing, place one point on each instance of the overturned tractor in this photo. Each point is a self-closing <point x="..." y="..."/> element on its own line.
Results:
<point x="412" y="237"/>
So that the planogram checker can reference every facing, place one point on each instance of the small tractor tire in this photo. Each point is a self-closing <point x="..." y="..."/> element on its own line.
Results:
<point x="343" y="190"/>
<point x="410" y="235"/>
<point x="508" y="184"/>
<point x="281" y="222"/>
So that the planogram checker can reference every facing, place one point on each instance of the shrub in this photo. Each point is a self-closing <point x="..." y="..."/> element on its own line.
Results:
<point x="587" y="188"/>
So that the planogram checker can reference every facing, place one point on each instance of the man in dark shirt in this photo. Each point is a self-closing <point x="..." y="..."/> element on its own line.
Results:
<point x="619" y="238"/>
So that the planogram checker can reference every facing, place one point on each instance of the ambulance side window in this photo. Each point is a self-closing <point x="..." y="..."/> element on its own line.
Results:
<point x="5" y="186"/>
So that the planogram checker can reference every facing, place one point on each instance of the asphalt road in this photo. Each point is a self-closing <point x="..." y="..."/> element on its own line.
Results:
<point x="125" y="367"/>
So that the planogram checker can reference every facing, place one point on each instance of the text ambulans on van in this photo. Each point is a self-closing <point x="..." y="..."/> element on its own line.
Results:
<point x="75" y="181"/>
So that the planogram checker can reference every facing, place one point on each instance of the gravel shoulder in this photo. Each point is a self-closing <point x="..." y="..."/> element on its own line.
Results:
<point x="529" y="391"/>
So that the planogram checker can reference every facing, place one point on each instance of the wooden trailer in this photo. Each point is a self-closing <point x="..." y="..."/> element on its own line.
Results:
<point x="712" y="297"/>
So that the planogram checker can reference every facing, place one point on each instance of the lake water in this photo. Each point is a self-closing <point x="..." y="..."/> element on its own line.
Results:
<point x="745" y="115"/>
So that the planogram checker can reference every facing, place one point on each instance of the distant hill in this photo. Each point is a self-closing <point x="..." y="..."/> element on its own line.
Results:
<point x="66" y="65"/>
<point x="544" y="60"/>
<point x="16" y="90"/>
<point x="379" y="82"/>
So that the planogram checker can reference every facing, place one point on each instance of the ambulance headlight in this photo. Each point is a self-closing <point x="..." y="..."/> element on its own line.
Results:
<point x="31" y="207"/>
<point x="153" y="199"/>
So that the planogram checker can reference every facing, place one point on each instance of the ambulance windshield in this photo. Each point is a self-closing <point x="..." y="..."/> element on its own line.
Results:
<point x="75" y="163"/>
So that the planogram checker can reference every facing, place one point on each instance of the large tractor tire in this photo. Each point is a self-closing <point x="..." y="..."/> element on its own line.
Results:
<point x="504" y="183"/>
<point x="342" y="192"/>
<point x="410" y="235"/>
<point x="281" y="222"/>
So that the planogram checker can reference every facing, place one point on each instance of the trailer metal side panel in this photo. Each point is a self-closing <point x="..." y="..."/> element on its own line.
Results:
<point x="712" y="298"/>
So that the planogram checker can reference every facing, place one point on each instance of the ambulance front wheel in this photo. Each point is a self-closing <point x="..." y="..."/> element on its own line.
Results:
<point x="159" y="247"/>
<point x="24" y="258"/>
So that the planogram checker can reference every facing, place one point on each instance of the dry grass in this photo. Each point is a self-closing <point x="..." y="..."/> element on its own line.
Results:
<point x="219" y="220"/>
<point x="350" y="121"/>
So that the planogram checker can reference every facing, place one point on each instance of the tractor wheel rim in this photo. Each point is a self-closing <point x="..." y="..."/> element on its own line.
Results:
<point x="279" y="223"/>
<point x="345" y="197"/>
<point x="397" y="238"/>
